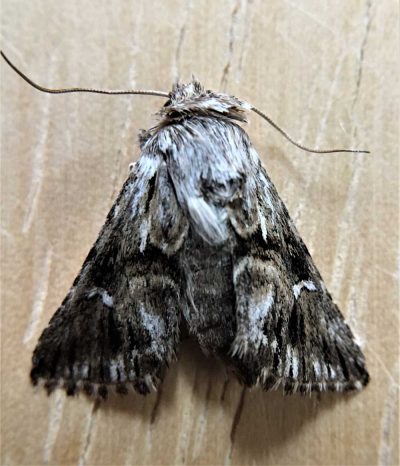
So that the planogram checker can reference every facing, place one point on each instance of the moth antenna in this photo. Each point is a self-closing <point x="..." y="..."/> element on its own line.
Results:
<point x="81" y="89"/>
<point x="300" y="146"/>
<point x="163" y="94"/>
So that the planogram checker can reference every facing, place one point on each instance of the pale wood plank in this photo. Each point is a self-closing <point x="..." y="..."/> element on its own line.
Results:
<point x="328" y="72"/>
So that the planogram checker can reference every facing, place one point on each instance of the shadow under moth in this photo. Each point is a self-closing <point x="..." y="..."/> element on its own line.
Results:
<point x="199" y="237"/>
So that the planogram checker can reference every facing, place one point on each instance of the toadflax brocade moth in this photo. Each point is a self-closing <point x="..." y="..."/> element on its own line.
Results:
<point x="198" y="237"/>
<point x="198" y="234"/>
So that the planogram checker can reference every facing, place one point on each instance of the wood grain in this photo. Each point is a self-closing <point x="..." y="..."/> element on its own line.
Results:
<point x="326" y="71"/>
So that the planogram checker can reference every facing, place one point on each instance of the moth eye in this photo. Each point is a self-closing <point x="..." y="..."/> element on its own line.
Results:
<point x="167" y="103"/>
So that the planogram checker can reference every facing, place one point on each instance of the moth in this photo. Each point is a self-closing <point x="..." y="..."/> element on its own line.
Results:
<point x="198" y="237"/>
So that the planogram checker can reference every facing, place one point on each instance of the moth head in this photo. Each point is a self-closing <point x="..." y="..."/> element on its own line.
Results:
<point x="191" y="99"/>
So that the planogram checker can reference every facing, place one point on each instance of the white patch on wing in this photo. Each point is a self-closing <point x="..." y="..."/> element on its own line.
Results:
<point x="155" y="325"/>
<point x="308" y="284"/>
<point x="146" y="167"/>
<point x="288" y="361"/>
<point x="240" y="268"/>
<point x="107" y="299"/>
<point x="295" y="363"/>
<point x="317" y="368"/>
<point x="263" y="225"/>
<point x="116" y="210"/>
<point x="105" y="296"/>
<point x="332" y="372"/>
<point x="274" y="345"/>
<point x="292" y="361"/>
<point x="145" y="227"/>
<point x="257" y="314"/>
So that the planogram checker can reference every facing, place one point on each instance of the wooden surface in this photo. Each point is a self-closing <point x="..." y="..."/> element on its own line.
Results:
<point x="327" y="72"/>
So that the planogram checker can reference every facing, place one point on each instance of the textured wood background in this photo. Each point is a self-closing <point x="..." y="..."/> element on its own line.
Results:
<point x="328" y="72"/>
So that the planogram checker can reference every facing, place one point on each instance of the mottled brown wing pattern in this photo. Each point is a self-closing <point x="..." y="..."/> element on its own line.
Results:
<point x="110" y="330"/>
<point x="290" y="333"/>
